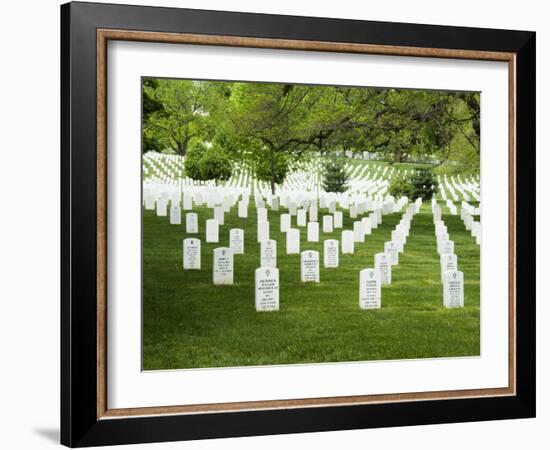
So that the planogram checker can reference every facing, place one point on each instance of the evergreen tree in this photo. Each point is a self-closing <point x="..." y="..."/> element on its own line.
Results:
<point x="335" y="178"/>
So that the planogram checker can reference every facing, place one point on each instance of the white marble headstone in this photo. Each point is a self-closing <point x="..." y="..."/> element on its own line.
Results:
<point x="223" y="265"/>
<point x="243" y="210"/>
<point x="453" y="289"/>
<point x="212" y="231"/>
<point x="175" y="215"/>
<point x="390" y="248"/>
<point x="348" y="242"/>
<point x="448" y="261"/>
<point x="268" y="253"/>
<point x="285" y="222"/>
<point x="301" y="218"/>
<point x="313" y="232"/>
<point x="370" y="289"/>
<point x="331" y="253"/>
<point x="327" y="224"/>
<point x="292" y="241"/>
<point x="367" y="227"/>
<point x="267" y="289"/>
<point x="191" y="253"/>
<point x="191" y="223"/>
<point x="309" y="266"/>
<point x="219" y="214"/>
<point x="263" y="230"/>
<point x="236" y="240"/>
<point x="383" y="264"/>
<point x="338" y="219"/>
<point x="358" y="232"/>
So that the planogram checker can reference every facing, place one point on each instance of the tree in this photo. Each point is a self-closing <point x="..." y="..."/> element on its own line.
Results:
<point x="204" y="164"/>
<point x="181" y="116"/>
<point x="335" y="177"/>
<point x="150" y="106"/>
<point x="283" y="123"/>
<point x="423" y="184"/>
<point x="400" y="186"/>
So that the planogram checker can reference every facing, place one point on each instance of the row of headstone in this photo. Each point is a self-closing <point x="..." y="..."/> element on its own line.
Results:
<point x="451" y="278"/>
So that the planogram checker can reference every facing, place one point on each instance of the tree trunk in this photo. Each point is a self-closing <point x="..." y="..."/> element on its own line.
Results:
<point x="272" y="167"/>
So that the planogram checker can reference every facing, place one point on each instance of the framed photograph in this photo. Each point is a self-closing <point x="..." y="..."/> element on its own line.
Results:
<point x="276" y="224"/>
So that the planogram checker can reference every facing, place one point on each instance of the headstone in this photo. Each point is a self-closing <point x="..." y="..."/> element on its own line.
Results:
<point x="353" y="211"/>
<point x="313" y="232"/>
<point x="267" y="289"/>
<point x="370" y="289"/>
<point x="223" y="265"/>
<point x="162" y="206"/>
<point x="332" y="207"/>
<point x="175" y="215"/>
<point x="149" y="202"/>
<point x="448" y="261"/>
<point x="219" y="214"/>
<point x="447" y="247"/>
<point x="292" y="208"/>
<point x="268" y="253"/>
<point x="285" y="222"/>
<point x="243" y="210"/>
<point x="399" y="239"/>
<point x="191" y="223"/>
<point x="301" y="218"/>
<point x="236" y="241"/>
<point x="373" y="221"/>
<point x="261" y="215"/>
<point x="383" y="264"/>
<point x="453" y="289"/>
<point x="309" y="267"/>
<point x="313" y="213"/>
<point x="331" y="253"/>
<point x="263" y="230"/>
<point x="391" y="250"/>
<point x="367" y="227"/>
<point x="212" y="231"/>
<point x="348" y="242"/>
<point x="187" y="202"/>
<point x="293" y="241"/>
<point x="275" y="203"/>
<point x="338" y="219"/>
<point x="327" y="224"/>
<point x="191" y="253"/>
<point x="358" y="233"/>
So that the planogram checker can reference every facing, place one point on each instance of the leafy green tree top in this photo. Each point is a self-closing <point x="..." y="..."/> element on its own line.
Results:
<point x="204" y="164"/>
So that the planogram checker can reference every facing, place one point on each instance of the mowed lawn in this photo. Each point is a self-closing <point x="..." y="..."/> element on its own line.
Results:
<point x="189" y="323"/>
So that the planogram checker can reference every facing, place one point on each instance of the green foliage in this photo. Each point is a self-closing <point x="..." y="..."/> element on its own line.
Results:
<point x="203" y="163"/>
<point x="335" y="178"/>
<point x="269" y="125"/>
<point x="423" y="183"/>
<point x="193" y="162"/>
<point x="400" y="186"/>
<point x="216" y="165"/>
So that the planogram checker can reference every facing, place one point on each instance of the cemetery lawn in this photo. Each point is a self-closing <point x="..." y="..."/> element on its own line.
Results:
<point x="190" y="323"/>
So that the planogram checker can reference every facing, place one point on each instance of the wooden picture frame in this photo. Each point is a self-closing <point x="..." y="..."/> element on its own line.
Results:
<point x="86" y="418"/>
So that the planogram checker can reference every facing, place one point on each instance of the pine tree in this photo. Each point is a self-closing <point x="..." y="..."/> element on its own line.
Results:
<point x="335" y="178"/>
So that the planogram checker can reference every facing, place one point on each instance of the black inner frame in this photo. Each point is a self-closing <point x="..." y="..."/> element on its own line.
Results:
<point x="79" y="423"/>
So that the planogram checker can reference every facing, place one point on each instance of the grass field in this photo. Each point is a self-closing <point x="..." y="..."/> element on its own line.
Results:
<point x="188" y="322"/>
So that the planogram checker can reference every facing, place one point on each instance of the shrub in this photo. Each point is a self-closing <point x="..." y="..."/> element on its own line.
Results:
<point x="400" y="186"/>
<point x="335" y="178"/>
<point x="203" y="164"/>
<point x="424" y="184"/>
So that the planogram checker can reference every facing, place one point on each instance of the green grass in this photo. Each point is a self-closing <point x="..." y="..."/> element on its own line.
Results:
<point x="188" y="322"/>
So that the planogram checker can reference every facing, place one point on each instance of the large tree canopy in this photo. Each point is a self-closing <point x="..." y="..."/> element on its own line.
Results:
<point x="271" y="127"/>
